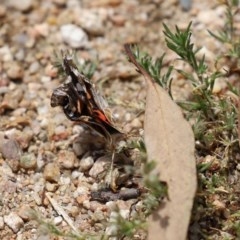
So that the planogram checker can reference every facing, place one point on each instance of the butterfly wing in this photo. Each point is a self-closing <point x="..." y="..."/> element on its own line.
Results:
<point x="81" y="101"/>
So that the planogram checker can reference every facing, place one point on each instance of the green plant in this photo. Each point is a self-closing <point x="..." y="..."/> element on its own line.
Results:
<point x="228" y="33"/>
<point x="154" y="68"/>
<point x="214" y="115"/>
<point x="86" y="67"/>
<point x="214" y="118"/>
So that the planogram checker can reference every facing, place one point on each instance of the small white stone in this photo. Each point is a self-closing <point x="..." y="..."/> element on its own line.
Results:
<point x="99" y="167"/>
<point x="77" y="129"/>
<point x="45" y="79"/>
<point x="74" y="36"/>
<point x="5" y="54"/>
<point x="23" y="5"/>
<point x="34" y="67"/>
<point x="81" y="191"/>
<point x="65" y="180"/>
<point x="78" y="148"/>
<point x="219" y="85"/>
<point x="57" y="220"/>
<point x="13" y="221"/>
<point x="86" y="163"/>
<point x="60" y="129"/>
<point x="238" y="167"/>
<point x="86" y="204"/>
<point x="92" y="20"/>
<point x="75" y="174"/>
<point x="94" y="187"/>
<point x="42" y="110"/>
<point x="124" y="213"/>
<point x="44" y="123"/>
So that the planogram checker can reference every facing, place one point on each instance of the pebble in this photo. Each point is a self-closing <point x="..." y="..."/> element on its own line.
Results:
<point x="59" y="129"/>
<point x="118" y="20"/>
<point x="111" y="230"/>
<point x="43" y="110"/>
<point x="65" y="180"/>
<point x="67" y="159"/>
<point x="86" y="163"/>
<point x="13" y="221"/>
<point x="93" y="21"/>
<point x="98" y="216"/>
<point x="51" y="187"/>
<point x="34" y="67"/>
<point x="77" y="129"/>
<point x="42" y="29"/>
<point x="45" y="79"/>
<point x="74" y="36"/>
<point x="82" y="198"/>
<point x="82" y="223"/>
<point x="18" y="113"/>
<point x="219" y="204"/>
<point x="8" y="185"/>
<point x="12" y="98"/>
<point x="86" y="204"/>
<point x="21" y="39"/>
<point x="51" y="71"/>
<point x="136" y="123"/>
<point x="85" y="142"/>
<point x="35" y="125"/>
<point x="74" y="211"/>
<point x="79" y="149"/>
<point x="20" y="55"/>
<point x="185" y="4"/>
<point x="25" y="212"/>
<point x="6" y="54"/>
<point x="51" y="172"/>
<point x="3" y="11"/>
<point x="1" y="223"/>
<point x="76" y="174"/>
<point x="10" y="149"/>
<point x="57" y="220"/>
<point x="28" y="161"/>
<point x="238" y="167"/>
<point x="23" y="5"/>
<point x="22" y="137"/>
<point x="219" y="85"/>
<point x="80" y="191"/>
<point x="59" y="118"/>
<point x="99" y="167"/>
<point x="15" y="71"/>
<point x="208" y="16"/>
<point x="3" y="90"/>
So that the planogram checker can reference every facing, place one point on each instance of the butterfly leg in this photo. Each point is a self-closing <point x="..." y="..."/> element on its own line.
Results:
<point x="112" y="175"/>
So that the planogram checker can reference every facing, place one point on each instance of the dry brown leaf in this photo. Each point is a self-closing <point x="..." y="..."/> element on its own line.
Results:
<point x="170" y="142"/>
<point x="238" y="121"/>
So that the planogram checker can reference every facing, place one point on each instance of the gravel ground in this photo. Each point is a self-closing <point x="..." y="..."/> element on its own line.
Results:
<point x="48" y="163"/>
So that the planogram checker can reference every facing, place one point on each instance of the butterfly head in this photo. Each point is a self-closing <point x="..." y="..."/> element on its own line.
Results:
<point x="70" y="105"/>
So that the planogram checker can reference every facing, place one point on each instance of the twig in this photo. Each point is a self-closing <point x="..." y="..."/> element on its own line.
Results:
<point x="61" y="212"/>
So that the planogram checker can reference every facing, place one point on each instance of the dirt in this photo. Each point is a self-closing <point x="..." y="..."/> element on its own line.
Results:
<point x="41" y="150"/>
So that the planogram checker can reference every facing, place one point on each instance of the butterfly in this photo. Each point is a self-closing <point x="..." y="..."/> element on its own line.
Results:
<point x="81" y="101"/>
